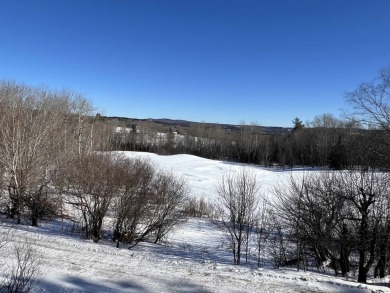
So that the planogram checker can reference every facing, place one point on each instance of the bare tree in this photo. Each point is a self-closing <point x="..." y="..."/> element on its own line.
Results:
<point x="237" y="204"/>
<point x="81" y="108"/>
<point x="30" y="148"/>
<point x="278" y="239"/>
<point x="199" y="207"/>
<point x="91" y="182"/>
<point x="41" y="131"/>
<point x="371" y="101"/>
<point x="367" y="193"/>
<point x="337" y="214"/>
<point x="23" y="272"/>
<point x="131" y="203"/>
<point x="261" y="228"/>
<point x="371" y="107"/>
<point x="311" y="208"/>
<point x="169" y="196"/>
<point x="3" y="197"/>
<point x="148" y="204"/>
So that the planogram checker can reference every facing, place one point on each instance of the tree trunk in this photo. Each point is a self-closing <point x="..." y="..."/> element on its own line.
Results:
<point x="35" y="205"/>
<point x="344" y="264"/>
<point x="380" y="268"/>
<point x="238" y="252"/>
<point x="96" y="227"/>
<point x="234" y="253"/>
<point x="34" y="217"/>
<point x="362" y="277"/>
<point x="117" y="234"/>
<point x="344" y="261"/>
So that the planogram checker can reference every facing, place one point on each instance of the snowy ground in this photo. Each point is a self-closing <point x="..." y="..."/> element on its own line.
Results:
<point x="192" y="260"/>
<point x="203" y="174"/>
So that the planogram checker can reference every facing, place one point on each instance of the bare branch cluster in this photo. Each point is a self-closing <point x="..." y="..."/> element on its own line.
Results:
<point x="20" y="276"/>
<point x="238" y="207"/>
<point x="52" y="154"/>
<point x="336" y="216"/>
<point x="40" y="130"/>
<point x="149" y="203"/>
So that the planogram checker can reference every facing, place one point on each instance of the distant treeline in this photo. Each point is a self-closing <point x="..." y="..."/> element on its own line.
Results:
<point x="360" y="140"/>
<point x="324" y="142"/>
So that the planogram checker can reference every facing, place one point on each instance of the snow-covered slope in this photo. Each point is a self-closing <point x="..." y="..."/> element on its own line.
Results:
<point x="193" y="259"/>
<point x="203" y="174"/>
<point x="189" y="262"/>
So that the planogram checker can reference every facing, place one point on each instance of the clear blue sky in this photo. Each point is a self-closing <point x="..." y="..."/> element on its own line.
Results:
<point x="202" y="60"/>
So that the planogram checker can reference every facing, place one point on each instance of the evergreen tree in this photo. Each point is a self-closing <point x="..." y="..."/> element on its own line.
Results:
<point x="298" y="124"/>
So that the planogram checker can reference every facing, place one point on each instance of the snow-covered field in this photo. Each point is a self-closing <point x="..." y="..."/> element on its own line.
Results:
<point x="193" y="259"/>
<point x="203" y="174"/>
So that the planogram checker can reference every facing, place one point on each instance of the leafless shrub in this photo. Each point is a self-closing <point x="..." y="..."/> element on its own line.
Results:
<point x="91" y="183"/>
<point x="237" y="204"/>
<point x="132" y="200"/>
<point x="199" y="207"/>
<point x="5" y="234"/>
<point x="148" y="204"/>
<point x="169" y="195"/>
<point x="22" y="274"/>
<point x="334" y="216"/>
<point x="278" y="240"/>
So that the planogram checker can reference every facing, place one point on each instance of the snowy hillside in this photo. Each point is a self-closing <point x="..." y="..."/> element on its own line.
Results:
<point x="193" y="258"/>
<point x="202" y="174"/>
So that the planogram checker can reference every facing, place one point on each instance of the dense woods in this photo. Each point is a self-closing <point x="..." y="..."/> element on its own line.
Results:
<point x="325" y="142"/>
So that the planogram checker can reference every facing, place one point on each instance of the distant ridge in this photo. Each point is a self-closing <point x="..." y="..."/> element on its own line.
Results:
<point x="185" y="124"/>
